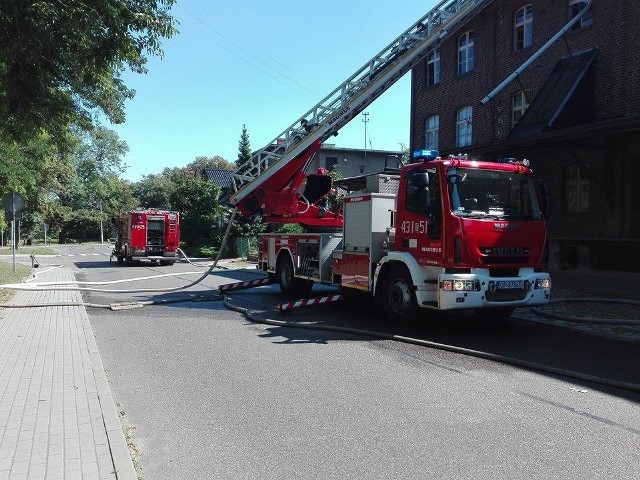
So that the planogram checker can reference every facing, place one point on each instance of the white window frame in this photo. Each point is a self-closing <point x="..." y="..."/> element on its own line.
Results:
<point x="433" y="67"/>
<point x="432" y="130"/>
<point x="586" y="20"/>
<point x="466" y="45"/>
<point x="464" y="124"/>
<point x="523" y="28"/>
<point x="577" y="186"/>
<point x="519" y="105"/>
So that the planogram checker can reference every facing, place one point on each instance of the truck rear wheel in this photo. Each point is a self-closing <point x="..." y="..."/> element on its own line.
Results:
<point x="398" y="295"/>
<point x="289" y="285"/>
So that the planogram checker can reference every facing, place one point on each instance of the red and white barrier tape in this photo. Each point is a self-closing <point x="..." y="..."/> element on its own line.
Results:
<point x="240" y="285"/>
<point x="305" y="302"/>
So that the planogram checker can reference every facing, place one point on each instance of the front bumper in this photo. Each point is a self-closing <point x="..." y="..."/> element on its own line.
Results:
<point x="480" y="290"/>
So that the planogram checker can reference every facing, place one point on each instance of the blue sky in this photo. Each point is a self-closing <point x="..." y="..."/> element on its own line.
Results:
<point x="262" y="64"/>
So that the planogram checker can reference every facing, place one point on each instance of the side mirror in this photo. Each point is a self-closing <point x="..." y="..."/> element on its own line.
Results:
<point x="419" y="179"/>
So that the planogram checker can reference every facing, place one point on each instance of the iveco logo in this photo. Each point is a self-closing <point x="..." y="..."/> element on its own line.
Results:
<point x="506" y="226"/>
<point x="502" y="251"/>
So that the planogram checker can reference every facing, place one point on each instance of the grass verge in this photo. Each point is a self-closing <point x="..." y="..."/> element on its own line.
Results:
<point x="28" y="250"/>
<point x="7" y="275"/>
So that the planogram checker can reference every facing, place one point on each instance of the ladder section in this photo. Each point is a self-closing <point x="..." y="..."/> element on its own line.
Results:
<point x="354" y="95"/>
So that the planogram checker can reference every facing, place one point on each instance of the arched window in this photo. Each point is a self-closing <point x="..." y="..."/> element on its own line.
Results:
<point x="465" y="53"/>
<point x="432" y="126"/>
<point x="463" y="126"/>
<point x="519" y="105"/>
<point x="576" y="188"/>
<point x="523" y="28"/>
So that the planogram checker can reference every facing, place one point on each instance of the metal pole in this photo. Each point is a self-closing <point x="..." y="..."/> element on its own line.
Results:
<point x="533" y="57"/>
<point x="101" y="227"/>
<point x="13" y="242"/>
<point x="365" y="120"/>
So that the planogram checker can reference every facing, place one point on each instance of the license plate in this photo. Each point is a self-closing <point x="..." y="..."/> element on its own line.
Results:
<point x="509" y="285"/>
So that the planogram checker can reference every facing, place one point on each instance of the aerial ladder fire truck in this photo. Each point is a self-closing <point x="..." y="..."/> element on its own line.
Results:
<point x="435" y="233"/>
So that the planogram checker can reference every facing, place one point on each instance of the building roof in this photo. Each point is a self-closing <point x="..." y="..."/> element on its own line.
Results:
<point x="331" y="147"/>
<point x="548" y="108"/>
<point x="219" y="177"/>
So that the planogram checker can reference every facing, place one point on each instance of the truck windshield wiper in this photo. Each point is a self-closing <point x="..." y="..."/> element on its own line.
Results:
<point x="474" y="214"/>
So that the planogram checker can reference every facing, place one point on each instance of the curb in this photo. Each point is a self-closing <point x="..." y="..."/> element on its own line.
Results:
<point x="124" y="468"/>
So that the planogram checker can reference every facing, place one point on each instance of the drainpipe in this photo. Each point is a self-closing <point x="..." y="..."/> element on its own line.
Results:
<point x="533" y="57"/>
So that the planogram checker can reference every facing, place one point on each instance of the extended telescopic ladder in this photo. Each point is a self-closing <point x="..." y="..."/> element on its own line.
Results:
<point x="354" y="94"/>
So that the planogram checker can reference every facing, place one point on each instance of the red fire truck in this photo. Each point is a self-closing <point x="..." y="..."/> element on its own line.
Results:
<point x="436" y="233"/>
<point x="149" y="234"/>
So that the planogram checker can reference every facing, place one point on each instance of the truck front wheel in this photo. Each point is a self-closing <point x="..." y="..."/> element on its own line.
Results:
<point x="289" y="285"/>
<point x="398" y="295"/>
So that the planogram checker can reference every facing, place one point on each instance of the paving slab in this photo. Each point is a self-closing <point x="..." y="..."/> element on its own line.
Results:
<point x="58" y="419"/>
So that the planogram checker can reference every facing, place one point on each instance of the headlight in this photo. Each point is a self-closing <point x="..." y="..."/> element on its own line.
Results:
<point x="460" y="285"/>
<point x="543" y="283"/>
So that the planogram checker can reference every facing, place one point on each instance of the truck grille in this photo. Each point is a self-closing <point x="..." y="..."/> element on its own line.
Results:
<point x="504" y="255"/>
<point x="506" y="295"/>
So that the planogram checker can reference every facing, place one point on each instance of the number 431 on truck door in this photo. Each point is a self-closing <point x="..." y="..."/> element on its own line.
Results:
<point x="416" y="226"/>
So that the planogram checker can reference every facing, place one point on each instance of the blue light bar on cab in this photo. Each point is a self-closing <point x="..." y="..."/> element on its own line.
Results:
<point x="425" y="154"/>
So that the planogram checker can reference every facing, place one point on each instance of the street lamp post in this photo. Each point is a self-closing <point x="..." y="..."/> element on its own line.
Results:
<point x="365" y="120"/>
<point x="101" y="227"/>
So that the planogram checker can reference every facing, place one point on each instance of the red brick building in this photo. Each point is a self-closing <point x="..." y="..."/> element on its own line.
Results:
<point x="574" y="112"/>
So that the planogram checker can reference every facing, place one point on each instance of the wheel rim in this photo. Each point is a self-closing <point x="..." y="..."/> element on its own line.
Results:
<point x="399" y="296"/>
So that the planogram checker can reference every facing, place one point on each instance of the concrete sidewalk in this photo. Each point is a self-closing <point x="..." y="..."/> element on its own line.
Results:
<point x="57" y="417"/>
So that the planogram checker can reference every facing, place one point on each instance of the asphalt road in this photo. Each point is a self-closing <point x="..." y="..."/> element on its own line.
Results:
<point x="207" y="393"/>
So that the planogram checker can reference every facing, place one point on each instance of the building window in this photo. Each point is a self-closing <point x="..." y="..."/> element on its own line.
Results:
<point x="465" y="53"/>
<point x="576" y="179"/>
<point x="330" y="162"/>
<point x="519" y="104"/>
<point x="432" y="126"/>
<point x="463" y="126"/>
<point x="523" y="28"/>
<point x="575" y="6"/>
<point x="433" y="67"/>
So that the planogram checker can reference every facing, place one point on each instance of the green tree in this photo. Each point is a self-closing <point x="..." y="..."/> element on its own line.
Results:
<point x="246" y="227"/>
<point x="335" y="199"/>
<point x="200" y="215"/>
<point x="36" y="170"/>
<point x="155" y="190"/>
<point x="22" y="168"/>
<point x="61" y="62"/>
<point x="187" y="191"/>
<point x="95" y="193"/>
<point x="202" y="162"/>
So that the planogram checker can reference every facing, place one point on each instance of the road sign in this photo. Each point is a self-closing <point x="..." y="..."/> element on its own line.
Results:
<point x="13" y="205"/>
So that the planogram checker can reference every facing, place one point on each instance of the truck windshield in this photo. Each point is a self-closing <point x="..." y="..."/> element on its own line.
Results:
<point x="493" y="194"/>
